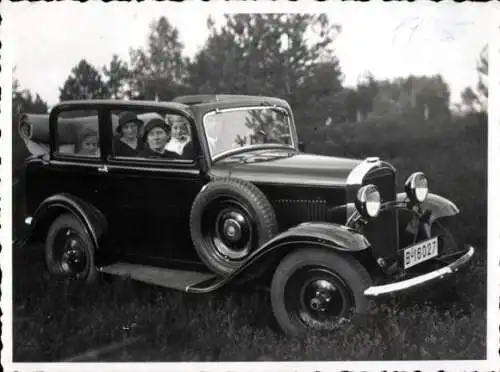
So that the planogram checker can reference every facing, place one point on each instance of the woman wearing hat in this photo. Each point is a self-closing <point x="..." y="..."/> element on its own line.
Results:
<point x="127" y="142"/>
<point x="156" y="135"/>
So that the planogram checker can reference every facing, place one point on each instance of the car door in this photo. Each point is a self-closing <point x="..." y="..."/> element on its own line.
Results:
<point x="77" y="163"/>
<point x="151" y="201"/>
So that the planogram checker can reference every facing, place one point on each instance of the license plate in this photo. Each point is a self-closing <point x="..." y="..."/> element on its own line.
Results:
<point x="420" y="252"/>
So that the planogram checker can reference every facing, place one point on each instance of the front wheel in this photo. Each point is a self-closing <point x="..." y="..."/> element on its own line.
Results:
<point x="317" y="289"/>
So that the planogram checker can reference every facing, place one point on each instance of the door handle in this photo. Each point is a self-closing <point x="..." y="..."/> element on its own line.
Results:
<point x="103" y="169"/>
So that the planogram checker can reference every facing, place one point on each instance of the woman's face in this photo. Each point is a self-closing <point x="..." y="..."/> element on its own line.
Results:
<point x="157" y="139"/>
<point x="129" y="130"/>
<point x="89" y="145"/>
<point x="179" y="129"/>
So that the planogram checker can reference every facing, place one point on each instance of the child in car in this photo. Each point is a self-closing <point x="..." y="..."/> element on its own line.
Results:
<point x="180" y="135"/>
<point x="88" y="143"/>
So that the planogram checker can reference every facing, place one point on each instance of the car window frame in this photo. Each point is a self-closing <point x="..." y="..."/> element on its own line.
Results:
<point x="54" y="152"/>
<point x="147" y="163"/>
<point x="215" y="111"/>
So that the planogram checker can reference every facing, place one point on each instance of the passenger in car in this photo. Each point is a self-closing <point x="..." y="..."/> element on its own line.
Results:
<point x="88" y="143"/>
<point x="188" y="151"/>
<point x="180" y="135"/>
<point x="127" y="142"/>
<point x="156" y="136"/>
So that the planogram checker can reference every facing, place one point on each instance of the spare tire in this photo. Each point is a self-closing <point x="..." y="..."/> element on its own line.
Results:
<point x="229" y="219"/>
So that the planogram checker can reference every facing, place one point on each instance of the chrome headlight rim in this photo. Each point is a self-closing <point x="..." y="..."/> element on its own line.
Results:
<point x="368" y="201"/>
<point x="417" y="187"/>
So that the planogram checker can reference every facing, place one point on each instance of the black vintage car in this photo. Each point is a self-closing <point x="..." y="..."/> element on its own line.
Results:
<point x="208" y="190"/>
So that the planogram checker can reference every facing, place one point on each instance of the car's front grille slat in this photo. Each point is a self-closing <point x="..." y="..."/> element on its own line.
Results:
<point x="382" y="231"/>
<point x="385" y="182"/>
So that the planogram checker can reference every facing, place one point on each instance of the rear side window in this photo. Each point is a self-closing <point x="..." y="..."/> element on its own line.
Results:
<point x="77" y="133"/>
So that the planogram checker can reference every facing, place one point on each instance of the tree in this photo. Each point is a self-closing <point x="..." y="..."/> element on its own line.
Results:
<point x="424" y="97"/>
<point x="321" y="97"/>
<point x="24" y="101"/>
<point x="160" y="70"/>
<point x="284" y="55"/>
<point x="477" y="100"/>
<point x="84" y="82"/>
<point x="266" y="54"/>
<point x="432" y="98"/>
<point x="118" y="77"/>
<point x="366" y="90"/>
<point x="469" y="100"/>
<point x="482" y="84"/>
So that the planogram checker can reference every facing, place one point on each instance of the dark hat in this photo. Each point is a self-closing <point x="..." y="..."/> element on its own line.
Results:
<point x="127" y="117"/>
<point x="155" y="123"/>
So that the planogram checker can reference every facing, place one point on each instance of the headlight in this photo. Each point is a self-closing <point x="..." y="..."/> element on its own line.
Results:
<point x="368" y="201"/>
<point x="417" y="187"/>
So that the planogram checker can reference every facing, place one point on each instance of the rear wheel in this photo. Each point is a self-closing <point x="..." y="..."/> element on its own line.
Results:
<point x="317" y="289"/>
<point x="69" y="251"/>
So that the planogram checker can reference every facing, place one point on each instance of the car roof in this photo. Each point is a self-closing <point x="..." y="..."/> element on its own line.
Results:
<point x="227" y="100"/>
<point x="199" y="103"/>
<point x="130" y="103"/>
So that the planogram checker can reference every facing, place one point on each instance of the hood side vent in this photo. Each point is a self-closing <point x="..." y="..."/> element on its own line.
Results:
<point x="291" y="212"/>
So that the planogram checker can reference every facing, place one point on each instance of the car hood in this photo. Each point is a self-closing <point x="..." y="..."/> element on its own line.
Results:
<point x="299" y="168"/>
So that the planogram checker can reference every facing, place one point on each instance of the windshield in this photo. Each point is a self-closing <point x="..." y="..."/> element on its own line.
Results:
<point x="237" y="128"/>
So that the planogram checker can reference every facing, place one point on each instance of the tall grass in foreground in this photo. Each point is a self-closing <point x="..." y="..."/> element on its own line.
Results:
<point x="50" y="325"/>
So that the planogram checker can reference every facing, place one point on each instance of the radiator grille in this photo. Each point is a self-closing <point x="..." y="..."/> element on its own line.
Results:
<point x="385" y="182"/>
<point x="382" y="232"/>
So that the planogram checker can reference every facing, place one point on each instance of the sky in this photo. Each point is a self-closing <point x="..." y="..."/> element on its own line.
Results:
<point x="390" y="40"/>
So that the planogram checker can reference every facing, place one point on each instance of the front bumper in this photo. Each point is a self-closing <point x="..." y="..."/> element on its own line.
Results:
<point x="421" y="280"/>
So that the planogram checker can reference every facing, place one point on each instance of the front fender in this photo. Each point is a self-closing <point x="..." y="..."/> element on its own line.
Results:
<point x="436" y="205"/>
<point x="323" y="234"/>
<point x="94" y="221"/>
<point x="340" y="237"/>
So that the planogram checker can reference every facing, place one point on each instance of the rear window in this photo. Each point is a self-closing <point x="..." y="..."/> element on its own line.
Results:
<point x="78" y="133"/>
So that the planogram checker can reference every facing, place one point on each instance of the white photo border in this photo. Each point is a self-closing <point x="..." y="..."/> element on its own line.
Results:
<point x="493" y="231"/>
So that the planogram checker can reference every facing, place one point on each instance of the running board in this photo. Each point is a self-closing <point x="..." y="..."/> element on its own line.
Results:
<point x="181" y="280"/>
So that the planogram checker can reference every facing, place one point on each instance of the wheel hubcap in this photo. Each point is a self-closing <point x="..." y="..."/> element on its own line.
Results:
<point x="317" y="297"/>
<point x="232" y="231"/>
<point x="324" y="292"/>
<point x="73" y="260"/>
<point x="233" y="228"/>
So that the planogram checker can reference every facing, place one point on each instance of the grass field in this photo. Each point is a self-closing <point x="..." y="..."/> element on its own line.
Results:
<point x="129" y="321"/>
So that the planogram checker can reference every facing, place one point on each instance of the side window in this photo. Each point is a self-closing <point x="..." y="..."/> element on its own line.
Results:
<point x="151" y="135"/>
<point x="78" y="133"/>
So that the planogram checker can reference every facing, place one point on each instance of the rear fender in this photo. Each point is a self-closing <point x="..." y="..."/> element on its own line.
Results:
<point x="321" y="234"/>
<point x="93" y="220"/>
